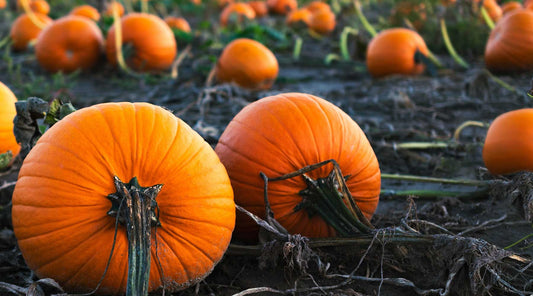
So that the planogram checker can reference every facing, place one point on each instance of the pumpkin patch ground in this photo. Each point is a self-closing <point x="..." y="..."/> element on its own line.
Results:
<point x="444" y="224"/>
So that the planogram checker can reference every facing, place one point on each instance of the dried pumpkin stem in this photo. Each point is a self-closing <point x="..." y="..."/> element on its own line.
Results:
<point x="144" y="6"/>
<point x="118" y="43"/>
<point x="486" y="18"/>
<point x="421" y="193"/>
<point x="421" y="145"/>
<point x="434" y="180"/>
<point x="31" y="15"/>
<point x="466" y="124"/>
<point x="297" y="48"/>
<point x="449" y="45"/>
<point x="139" y="216"/>
<point x="343" y="41"/>
<point x="369" y="28"/>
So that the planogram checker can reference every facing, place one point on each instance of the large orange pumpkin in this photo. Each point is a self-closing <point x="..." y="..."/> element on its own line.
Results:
<point x="510" y="45"/>
<point x="393" y="51"/>
<point x="247" y="63"/>
<point x="152" y="42"/>
<point x="69" y="43"/>
<point x="280" y="134"/>
<point x="239" y="10"/>
<point x="87" y="11"/>
<point x="66" y="188"/>
<point x="7" y="114"/>
<point x="178" y="23"/>
<point x="508" y="147"/>
<point x="23" y="30"/>
<point x="281" y="6"/>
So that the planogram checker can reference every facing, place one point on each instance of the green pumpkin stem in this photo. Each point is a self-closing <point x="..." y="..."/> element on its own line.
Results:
<point x="138" y="214"/>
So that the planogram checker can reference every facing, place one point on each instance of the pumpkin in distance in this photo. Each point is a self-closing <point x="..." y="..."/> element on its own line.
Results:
<point x="87" y="11"/>
<point x="238" y="12"/>
<point x="23" y="30"/>
<point x="7" y="114"/>
<point x="280" y="134"/>
<point x="392" y="51"/>
<point x="508" y="146"/>
<point x="70" y="43"/>
<point x="61" y="205"/>
<point x="178" y="23"/>
<point x="281" y="6"/>
<point x="153" y="47"/>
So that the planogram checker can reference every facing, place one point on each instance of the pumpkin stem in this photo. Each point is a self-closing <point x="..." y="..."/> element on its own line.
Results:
<point x="486" y="18"/>
<point x="449" y="45"/>
<point x="331" y="199"/>
<point x="435" y="180"/>
<point x="37" y="22"/>
<point x="139" y="216"/>
<point x="144" y="6"/>
<point x="343" y="42"/>
<point x="118" y="43"/>
<point x="297" y="48"/>
<point x="363" y="19"/>
<point x="465" y="124"/>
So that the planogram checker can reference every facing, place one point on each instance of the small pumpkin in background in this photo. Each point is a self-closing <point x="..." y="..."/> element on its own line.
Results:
<point x="178" y="23"/>
<point x="260" y="8"/>
<point x="301" y="15"/>
<point x="223" y="3"/>
<point x="238" y="12"/>
<point x="69" y="192"/>
<point x="316" y="6"/>
<point x="416" y="13"/>
<point x="24" y="30"/>
<point x="284" y="133"/>
<point x="3" y="4"/>
<point x="68" y="44"/>
<point x="493" y="9"/>
<point x="248" y="64"/>
<point x="40" y="6"/>
<point x="114" y="5"/>
<point x="151" y="42"/>
<point x="281" y="6"/>
<point x="7" y="114"/>
<point x="87" y="11"/>
<point x="508" y="147"/>
<point x="509" y="48"/>
<point x="510" y="6"/>
<point x="392" y="51"/>
<point x="322" y="22"/>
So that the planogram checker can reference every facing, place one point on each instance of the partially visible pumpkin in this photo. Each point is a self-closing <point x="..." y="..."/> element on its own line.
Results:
<point x="260" y="7"/>
<point x="316" y="6"/>
<point x="301" y="15"/>
<point x="151" y="41"/>
<point x="322" y="22"/>
<point x="493" y="9"/>
<point x="511" y="5"/>
<point x="23" y="30"/>
<point x="7" y="114"/>
<point x="510" y="45"/>
<point x="415" y="12"/>
<point x="281" y="6"/>
<point x="508" y="146"/>
<point x="87" y="11"/>
<point x="237" y="11"/>
<point x="392" y="51"/>
<point x="40" y="6"/>
<point x="178" y="23"/>
<point x="68" y="44"/>
<point x="247" y="63"/>
<point x="3" y="4"/>
<point x="281" y="134"/>
<point x="114" y="5"/>
<point x="61" y="203"/>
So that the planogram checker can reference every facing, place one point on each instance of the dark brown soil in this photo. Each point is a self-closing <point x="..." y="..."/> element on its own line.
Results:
<point x="461" y="252"/>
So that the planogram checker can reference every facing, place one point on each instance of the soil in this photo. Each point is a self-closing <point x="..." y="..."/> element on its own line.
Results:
<point x="461" y="252"/>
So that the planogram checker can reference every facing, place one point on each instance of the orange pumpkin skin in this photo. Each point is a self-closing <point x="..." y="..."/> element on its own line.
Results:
<point x="3" y="4"/>
<point x="40" y="6"/>
<point x="114" y="5"/>
<point x="247" y="63"/>
<point x="239" y="9"/>
<point x="7" y="114"/>
<point x="316" y="6"/>
<point x="510" y="6"/>
<point x="178" y="23"/>
<point x="281" y="6"/>
<point x="284" y="133"/>
<point x="153" y="42"/>
<point x="60" y="206"/>
<point x="322" y="22"/>
<point x="299" y="15"/>
<point x="68" y="44"/>
<point x="392" y="51"/>
<point x="23" y="30"/>
<point x="510" y="45"/>
<point x="87" y="11"/>
<point x="493" y="9"/>
<point x="508" y="147"/>
<point x="260" y="8"/>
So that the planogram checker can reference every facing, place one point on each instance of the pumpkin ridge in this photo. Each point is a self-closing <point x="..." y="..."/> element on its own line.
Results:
<point x="182" y="218"/>
<point x="187" y="242"/>
<point x="141" y="159"/>
<point x="172" y="144"/>
<point x="176" y="257"/>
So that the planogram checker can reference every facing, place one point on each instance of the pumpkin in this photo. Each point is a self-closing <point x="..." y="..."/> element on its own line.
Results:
<point x="316" y="6"/>
<point x="247" y="63"/>
<point x="511" y="5"/>
<point x="392" y="51"/>
<point x="178" y="23"/>
<point x="237" y="10"/>
<point x="281" y="6"/>
<point x="297" y="16"/>
<point x="508" y="147"/>
<point x="152" y="41"/>
<point x="493" y="9"/>
<point x="260" y="8"/>
<point x="7" y="114"/>
<point x="510" y="45"/>
<point x="114" y="5"/>
<point x="23" y="30"/>
<point x="87" y="11"/>
<point x="280" y="134"/>
<point x="68" y="44"/>
<point x="3" y="4"/>
<point x="67" y="186"/>
<point x="322" y="22"/>
<point x="416" y="13"/>
<point x="40" y="6"/>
